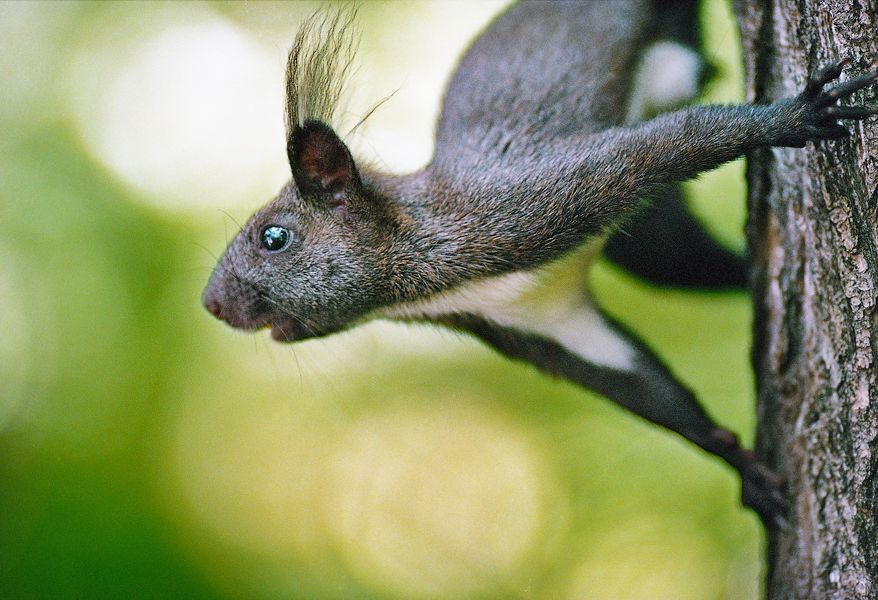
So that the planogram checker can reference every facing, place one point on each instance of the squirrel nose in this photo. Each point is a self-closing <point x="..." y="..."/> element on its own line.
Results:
<point x="213" y="306"/>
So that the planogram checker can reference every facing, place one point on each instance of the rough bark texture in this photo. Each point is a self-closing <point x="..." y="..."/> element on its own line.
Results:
<point x="813" y="233"/>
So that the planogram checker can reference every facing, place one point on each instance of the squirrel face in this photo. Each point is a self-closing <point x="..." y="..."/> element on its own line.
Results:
<point x="308" y="263"/>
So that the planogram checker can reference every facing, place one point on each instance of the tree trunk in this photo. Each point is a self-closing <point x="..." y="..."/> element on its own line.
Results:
<point x="813" y="235"/>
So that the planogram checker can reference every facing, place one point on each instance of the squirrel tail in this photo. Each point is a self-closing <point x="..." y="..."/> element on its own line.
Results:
<point x="665" y="244"/>
<point x="672" y="69"/>
<point x="677" y="20"/>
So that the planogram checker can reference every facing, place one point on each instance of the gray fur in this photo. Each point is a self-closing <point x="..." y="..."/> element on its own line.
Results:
<point x="532" y="160"/>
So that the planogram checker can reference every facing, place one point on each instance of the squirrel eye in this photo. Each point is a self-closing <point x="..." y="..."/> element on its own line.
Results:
<point x="275" y="238"/>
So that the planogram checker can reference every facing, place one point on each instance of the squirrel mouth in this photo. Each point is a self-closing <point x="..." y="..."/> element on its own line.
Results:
<point x="283" y="331"/>
<point x="289" y="330"/>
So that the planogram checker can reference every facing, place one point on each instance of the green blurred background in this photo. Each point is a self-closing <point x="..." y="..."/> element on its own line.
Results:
<point x="148" y="451"/>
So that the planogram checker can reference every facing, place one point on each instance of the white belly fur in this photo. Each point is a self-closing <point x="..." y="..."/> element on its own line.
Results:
<point x="551" y="301"/>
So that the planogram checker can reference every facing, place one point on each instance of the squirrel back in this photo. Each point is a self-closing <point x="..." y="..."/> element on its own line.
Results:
<point x="544" y="71"/>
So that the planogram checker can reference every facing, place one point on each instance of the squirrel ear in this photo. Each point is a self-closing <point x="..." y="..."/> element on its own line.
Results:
<point x="320" y="161"/>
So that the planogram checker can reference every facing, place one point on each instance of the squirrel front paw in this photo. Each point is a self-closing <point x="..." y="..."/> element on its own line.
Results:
<point x="814" y="114"/>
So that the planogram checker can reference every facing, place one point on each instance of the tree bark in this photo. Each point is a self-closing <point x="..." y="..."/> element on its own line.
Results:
<point x="813" y="236"/>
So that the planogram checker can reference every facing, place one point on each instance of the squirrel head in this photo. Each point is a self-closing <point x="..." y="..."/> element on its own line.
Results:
<point x="314" y="259"/>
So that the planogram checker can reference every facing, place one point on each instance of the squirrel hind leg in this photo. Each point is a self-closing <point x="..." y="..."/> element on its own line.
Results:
<point x="667" y="246"/>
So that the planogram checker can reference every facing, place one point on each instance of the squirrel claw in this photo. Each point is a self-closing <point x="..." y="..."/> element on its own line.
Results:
<point x="821" y="77"/>
<point x="764" y="491"/>
<point x="842" y="90"/>
<point x="814" y="114"/>
<point x="850" y="112"/>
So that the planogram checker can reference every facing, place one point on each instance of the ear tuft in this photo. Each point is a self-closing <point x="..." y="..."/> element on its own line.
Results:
<point x="320" y="161"/>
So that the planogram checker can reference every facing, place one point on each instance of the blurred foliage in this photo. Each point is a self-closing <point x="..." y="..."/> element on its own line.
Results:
<point x="147" y="451"/>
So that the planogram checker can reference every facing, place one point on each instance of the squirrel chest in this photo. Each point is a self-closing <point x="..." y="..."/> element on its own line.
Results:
<point x="551" y="300"/>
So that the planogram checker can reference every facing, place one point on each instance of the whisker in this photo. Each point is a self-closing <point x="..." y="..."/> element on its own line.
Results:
<point x="233" y="219"/>
<point x="206" y="249"/>
<point x="372" y="110"/>
<point x="299" y="369"/>
<point x="286" y="313"/>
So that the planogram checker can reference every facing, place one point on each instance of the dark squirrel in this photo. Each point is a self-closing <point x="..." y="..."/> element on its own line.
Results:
<point x="541" y="153"/>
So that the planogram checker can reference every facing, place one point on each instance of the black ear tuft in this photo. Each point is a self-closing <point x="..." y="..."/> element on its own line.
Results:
<point x="320" y="161"/>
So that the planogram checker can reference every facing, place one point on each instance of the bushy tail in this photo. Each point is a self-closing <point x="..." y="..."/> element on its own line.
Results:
<point x="664" y="243"/>
<point x="672" y="69"/>
<point x="677" y="20"/>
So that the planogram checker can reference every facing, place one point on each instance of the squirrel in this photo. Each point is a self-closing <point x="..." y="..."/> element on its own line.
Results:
<point x="543" y="149"/>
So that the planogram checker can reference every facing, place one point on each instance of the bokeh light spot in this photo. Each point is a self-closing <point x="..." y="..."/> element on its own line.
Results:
<point x="660" y="557"/>
<point x="192" y="117"/>
<point x="248" y="470"/>
<point x="15" y="338"/>
<point x="440" y="503"/>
